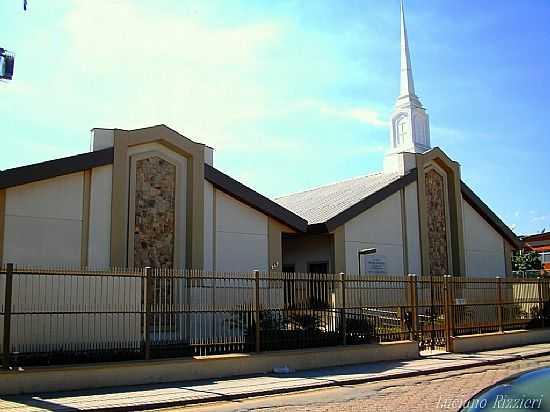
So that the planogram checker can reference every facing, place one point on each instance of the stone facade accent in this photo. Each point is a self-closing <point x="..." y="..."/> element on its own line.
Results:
<point x="437" y="224"/>
<point x="155" y="213"/>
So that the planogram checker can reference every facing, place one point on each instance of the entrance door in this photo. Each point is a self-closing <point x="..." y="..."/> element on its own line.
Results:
<point x="317" y="267"/>
<point x="319" y="288"/>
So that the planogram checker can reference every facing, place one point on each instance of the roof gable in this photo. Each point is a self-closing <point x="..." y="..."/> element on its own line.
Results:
<point x="370" y="201"/>
<point x="328" y="207"/>
<point x="54" y="168"/>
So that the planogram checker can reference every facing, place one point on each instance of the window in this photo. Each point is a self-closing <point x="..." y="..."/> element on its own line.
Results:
<point x="402" y="131"/>
<point x="400" y="127"/>
<point x="544" y="257"/>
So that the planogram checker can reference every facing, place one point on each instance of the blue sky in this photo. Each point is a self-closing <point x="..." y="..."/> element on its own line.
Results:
<point x="291" y="94"/>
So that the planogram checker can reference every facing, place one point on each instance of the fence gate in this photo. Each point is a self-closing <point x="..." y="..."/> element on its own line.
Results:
<point x="429" y="313"/>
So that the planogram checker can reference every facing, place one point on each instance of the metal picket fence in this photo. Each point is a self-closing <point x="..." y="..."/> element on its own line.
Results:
<point x="52" y="316"/>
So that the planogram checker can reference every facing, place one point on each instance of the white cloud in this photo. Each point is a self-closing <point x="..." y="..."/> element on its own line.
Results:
<point x="147" y="68"/>
<point x="19" y="87"/>
<point x="50" y="151"/>
<point x="366" y="149"/>
<point x="366" y="115"/>
<point x="456" y="135"/>
<point x="241" y="88"/>
<point x="259" y="144"/>
<point x="106" y="32"/>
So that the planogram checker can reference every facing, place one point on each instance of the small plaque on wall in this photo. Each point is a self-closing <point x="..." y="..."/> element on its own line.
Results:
<point x="376" y="265"/>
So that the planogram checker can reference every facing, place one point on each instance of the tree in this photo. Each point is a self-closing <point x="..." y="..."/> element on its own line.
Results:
<point x="526" y="260"/>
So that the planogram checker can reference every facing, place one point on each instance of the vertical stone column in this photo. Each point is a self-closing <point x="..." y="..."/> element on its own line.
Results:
<point x="437" y="224"/>
<point x="155" y="215"/>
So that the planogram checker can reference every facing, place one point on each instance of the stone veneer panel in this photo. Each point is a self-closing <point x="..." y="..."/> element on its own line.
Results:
<point x="437" y="224"/>
<point x="155" y="213"/>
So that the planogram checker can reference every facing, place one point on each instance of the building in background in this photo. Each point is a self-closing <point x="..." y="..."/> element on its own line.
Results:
<point x="153" y="197"/>
<point x="540" y="243"/>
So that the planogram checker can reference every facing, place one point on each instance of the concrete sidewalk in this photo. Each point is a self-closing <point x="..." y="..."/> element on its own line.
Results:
<point x="186" y="393"/>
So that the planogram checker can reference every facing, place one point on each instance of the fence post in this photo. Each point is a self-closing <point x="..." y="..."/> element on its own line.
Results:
<point x="447" y="302"/>
<point x="343" y="309"/>
<point x="402" y="321"/>
<point x="452" y="307"/>
<point x="148" y="306"/>
<point x="7" y="315"/>
<point x="541" y="301"/>
<point x="257" y="319"/>
<point x="413" y="302"/>
<point x="499" y="305"/>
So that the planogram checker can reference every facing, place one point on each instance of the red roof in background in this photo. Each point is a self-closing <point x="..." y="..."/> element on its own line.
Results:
<point x="537" y="238"/>
<point x="543" y="238"/>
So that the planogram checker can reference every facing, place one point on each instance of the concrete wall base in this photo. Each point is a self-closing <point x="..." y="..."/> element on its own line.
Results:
<point x="74" y="377"/>
<point x="490" y="341"/>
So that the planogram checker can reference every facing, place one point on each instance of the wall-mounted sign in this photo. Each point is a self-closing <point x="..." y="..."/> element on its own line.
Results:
<point x="375" y="265"/>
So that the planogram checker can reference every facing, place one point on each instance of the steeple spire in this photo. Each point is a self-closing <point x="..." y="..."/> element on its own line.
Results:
<point x="410" y="127"/>
<point x="407" y="83"/>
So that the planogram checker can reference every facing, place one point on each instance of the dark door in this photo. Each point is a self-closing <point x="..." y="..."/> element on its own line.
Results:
<point x="290" y="284"/>
<point x="318" y="267"/>
<point x="318" y="285"/>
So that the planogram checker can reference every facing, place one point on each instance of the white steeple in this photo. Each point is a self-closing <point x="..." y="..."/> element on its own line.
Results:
<point x="410" y="130"/>
<point x="407" y="83"/>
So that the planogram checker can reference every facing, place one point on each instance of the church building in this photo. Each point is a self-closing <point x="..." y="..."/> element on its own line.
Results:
<point x="153" y="197"/>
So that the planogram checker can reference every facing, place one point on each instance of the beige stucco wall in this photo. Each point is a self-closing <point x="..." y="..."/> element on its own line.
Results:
<point x="492" y="341"/>
<point x="414" y="251"/>
<point x="379" y="227"/>
<point x="483" y="245"/>
<point x="99" y="243"/>
<point x="209" y="227"/>
<point x="241" y="236"/>
<point x="43" y="222"/>
<point x="173" y="370"/>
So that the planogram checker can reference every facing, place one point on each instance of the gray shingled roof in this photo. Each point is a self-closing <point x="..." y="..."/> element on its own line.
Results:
<point x="323" y="203"/>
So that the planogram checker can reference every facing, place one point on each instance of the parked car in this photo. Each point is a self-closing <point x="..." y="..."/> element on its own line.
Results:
<point x="527" y="391"/>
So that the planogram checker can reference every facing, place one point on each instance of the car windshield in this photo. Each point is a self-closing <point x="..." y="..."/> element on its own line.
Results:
<point x="529" y="391"/>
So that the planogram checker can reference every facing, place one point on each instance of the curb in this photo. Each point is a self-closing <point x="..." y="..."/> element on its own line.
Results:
<point x="328" y="384"/>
